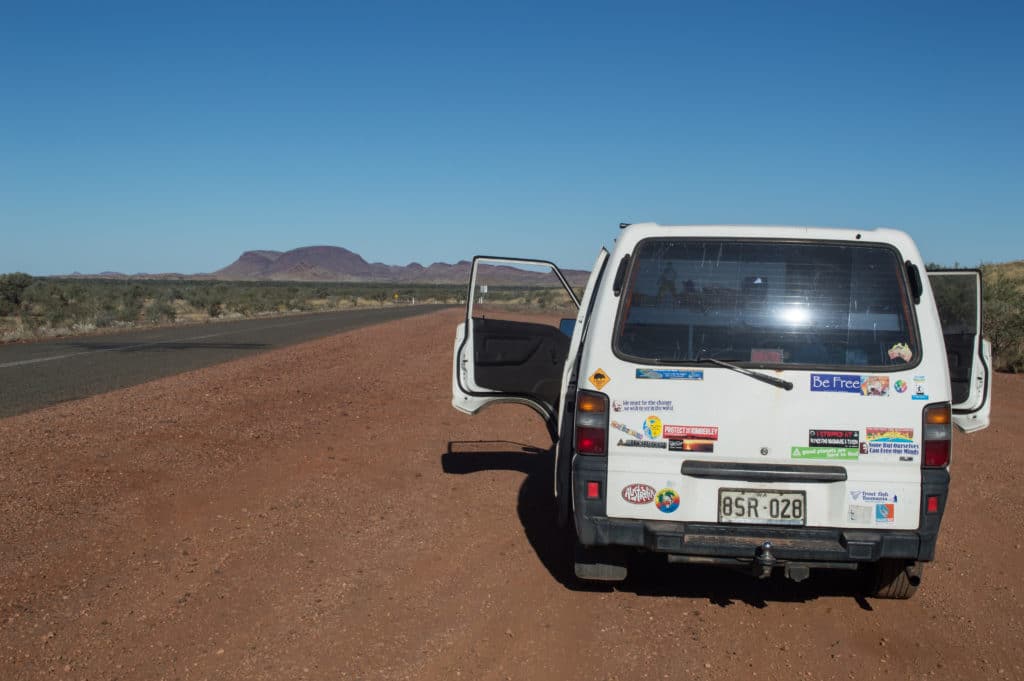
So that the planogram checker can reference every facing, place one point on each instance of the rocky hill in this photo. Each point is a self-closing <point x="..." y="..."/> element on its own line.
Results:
<point x="332" y="263"/>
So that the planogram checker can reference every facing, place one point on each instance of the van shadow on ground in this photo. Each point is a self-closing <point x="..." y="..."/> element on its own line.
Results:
<point x="649" y="574"/>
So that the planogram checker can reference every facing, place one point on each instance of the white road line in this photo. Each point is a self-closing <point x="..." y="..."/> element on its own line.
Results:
<point x="40" y="360"/>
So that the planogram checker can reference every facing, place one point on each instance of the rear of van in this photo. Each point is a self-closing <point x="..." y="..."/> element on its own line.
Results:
<point x="763" y="397"/>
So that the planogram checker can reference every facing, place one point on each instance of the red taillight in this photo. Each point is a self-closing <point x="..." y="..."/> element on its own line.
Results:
<point x="936" y="453"/>
<point x="932" y="504"/>
<point x="590" y="440"/>
<point x="591" y="422"/>
<point x="593" y="489"/>
<point x="937" y="436"/>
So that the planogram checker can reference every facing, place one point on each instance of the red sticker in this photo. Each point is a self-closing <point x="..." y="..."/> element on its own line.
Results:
<point x="638" y="493"/>
<point x="689" y="432"/>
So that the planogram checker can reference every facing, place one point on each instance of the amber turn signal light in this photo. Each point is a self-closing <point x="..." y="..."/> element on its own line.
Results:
<point x="937" y="414"/>
<point x="590" y="403"/>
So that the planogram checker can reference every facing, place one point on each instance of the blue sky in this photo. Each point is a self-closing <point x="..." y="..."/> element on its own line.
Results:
<point x="172" y="136"/>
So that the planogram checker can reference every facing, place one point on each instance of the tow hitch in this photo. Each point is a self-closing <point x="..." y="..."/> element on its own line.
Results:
<point x="764" y="561"/>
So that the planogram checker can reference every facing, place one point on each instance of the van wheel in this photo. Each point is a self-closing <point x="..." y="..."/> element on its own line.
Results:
<point x="599" y="563"/>
<point x="894" y="578"/>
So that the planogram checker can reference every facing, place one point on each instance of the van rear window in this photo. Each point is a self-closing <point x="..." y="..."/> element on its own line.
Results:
<point x="767" y="303"/>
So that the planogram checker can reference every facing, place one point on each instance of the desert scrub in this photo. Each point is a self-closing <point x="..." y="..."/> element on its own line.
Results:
<point x="1003" y="318"/>
<point x="12" y="290"/>
<point x="45" y="306"/>
<point x="161" y="310"/>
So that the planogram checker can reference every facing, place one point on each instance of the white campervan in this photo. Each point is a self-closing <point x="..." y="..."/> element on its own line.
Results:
<point x="756" y="397"/>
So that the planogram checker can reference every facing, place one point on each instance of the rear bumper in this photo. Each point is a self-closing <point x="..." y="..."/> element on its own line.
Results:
<point x="741" y="542"/>
<point x="827" y="545"/>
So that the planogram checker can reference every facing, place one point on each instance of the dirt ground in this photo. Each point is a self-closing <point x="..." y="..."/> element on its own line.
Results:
<point x="321" y="512"/>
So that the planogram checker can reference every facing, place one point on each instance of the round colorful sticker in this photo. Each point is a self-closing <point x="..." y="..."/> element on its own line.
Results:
<point x="900" y="385"/>
<point x="652" y="427"/>
<point x="667" y="500"/>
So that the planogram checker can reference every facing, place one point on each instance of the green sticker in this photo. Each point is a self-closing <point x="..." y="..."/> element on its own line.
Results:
<point x="824" y="453"/>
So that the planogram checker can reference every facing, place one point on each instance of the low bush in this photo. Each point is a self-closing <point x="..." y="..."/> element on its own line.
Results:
<point x="12" y="289"/>
<point x="1003" y="312"/>
<point x="161" y="310"/>
<point x="46" y="305"/>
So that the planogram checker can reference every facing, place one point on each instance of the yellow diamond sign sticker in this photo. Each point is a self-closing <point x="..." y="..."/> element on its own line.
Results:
<point x="599" y="379"/>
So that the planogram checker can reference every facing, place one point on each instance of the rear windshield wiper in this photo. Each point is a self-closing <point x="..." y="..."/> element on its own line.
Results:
<point x="766" y="378"/>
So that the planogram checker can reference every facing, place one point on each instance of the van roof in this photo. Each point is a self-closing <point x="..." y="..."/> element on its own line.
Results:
<point x="630" y="235"/>
<point x="882" y="234"/>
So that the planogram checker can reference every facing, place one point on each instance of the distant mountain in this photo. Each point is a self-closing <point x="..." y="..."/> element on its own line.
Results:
<point x="332" y="263"/>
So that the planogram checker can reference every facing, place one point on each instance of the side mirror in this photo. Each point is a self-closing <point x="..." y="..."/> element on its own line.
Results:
<point x="567" y="326"/>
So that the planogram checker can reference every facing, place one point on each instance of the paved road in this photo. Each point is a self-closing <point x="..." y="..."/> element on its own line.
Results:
<point x="36" y="375"/>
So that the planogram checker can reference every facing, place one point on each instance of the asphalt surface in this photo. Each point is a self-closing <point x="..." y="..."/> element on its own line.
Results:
<point x="35" y="375"/>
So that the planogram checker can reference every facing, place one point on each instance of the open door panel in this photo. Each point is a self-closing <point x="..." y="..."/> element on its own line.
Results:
<point x="510" y="348"/>
<point x="519" y="357"/>
<point x="958" y="297"/>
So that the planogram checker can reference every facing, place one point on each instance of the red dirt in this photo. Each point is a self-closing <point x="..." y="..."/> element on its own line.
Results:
<point x="301" y="514"/>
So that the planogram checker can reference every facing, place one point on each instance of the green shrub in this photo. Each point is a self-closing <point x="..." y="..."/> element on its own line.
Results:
<point x="161" y="311"/>
<point x="12" y="288"/>
<point x="1004" y="320"/>
<point x="105" y="319"/>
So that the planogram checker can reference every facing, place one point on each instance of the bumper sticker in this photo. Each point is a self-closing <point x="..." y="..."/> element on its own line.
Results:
<point x="876" y="386"/>
<point x="599" y="379"/>
<point x="627" y="430"/>
<point x="919" y="392"/>
<point x="859" y="514"/>
<point x="845" y="439"/>
<point x="642" y="405"/>
<point x="898" y="441"/>
<point x="650" y="444"/>
<point x="832" y="453"/>
<point x="667" y="500"/>
<point x="870" y="497"/>
<point x="672" y="374"/>
<point x="901" y="351"/>
<point x="690" y="432"/>
<point x="638" y="493"/>
<point x="705" y="446"/>
<point x="652" y="427"/>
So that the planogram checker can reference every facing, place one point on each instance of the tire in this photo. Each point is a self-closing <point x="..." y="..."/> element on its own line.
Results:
<point x="894" y="578"/>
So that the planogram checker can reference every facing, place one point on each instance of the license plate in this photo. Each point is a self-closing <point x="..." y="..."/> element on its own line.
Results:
<point x="762" y="507"/>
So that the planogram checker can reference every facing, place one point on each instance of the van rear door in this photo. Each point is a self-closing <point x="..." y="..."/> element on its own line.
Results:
<point x="760" y="381"/>
<point x="958" y="297"/>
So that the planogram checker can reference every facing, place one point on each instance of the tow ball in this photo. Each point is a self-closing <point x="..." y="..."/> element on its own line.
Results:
<point x="764" y="561"/>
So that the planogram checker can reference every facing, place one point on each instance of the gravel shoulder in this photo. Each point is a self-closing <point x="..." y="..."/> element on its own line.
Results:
<point x="320" y="511"/>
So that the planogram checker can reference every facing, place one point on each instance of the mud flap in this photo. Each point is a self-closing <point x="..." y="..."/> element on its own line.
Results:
<point x="599" y="564"/>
